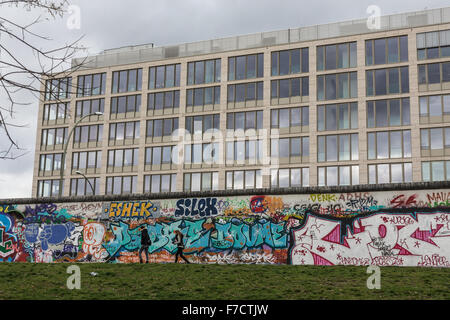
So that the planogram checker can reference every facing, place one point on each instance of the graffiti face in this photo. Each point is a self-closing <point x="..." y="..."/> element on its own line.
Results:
<point x="407" y="228"/>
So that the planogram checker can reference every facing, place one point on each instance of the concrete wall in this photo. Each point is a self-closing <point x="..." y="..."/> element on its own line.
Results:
<point x="402" y="228"/>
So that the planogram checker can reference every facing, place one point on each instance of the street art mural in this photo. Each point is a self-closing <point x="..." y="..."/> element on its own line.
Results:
<point x="389" y="228"/>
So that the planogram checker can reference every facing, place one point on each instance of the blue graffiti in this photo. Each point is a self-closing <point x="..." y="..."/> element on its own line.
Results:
<point x="49" y="235"/>
<point x="196" y="207"/>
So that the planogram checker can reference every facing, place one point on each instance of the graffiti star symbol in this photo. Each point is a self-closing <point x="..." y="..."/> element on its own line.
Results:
<point x="332" y="247"/>
<point x="358" y="240"/>
<point x="417" y="244"/>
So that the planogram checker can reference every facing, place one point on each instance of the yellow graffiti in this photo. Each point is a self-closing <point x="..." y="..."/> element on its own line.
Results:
<point x="131" y="209"/>
<point x="273" y="204"/>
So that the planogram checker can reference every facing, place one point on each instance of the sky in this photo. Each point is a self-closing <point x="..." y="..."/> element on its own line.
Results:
<point x="105" y="24"/>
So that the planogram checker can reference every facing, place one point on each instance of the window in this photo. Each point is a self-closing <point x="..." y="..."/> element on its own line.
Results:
<point x="433" y="74"/>
<point x="161" y="155"/>
<point x="387" y="81"/>
<point x="337" y="86"/>
<point x="85" y="134"/>
<point x="433" y="45"/>
<point x="435" y="142"/>
<point x="389" y="144"/>
<point x="124" y="131"/>
<point x="55" y="112"/>
<point x="243" y="179"/>
<point x="120" y="158"/>
<point x="337" y="116"/>
<point x="48" y="188"/>
<point x="91" y="85"/>
<point x="207" y="71"/>
<point x="246" y="67"/>
<point x="164" y="76"/>
<point x="157" y="183"/>
<point x="289" y="177"/>
<point x="338" y="176"/>
<point x="201" y="124"/>
<point x="50" y="162"/>
<point x="91" y="160"/>
<point x="290" y="62"/>
<point x="53" y="137"/>
<point x="163" y="101"/>
<point x="203" y="97"/>
<point x="388" y="113"/>
<point x="245" y="120"/>
<point x="436" y="171"/>
<point x="386" y="50"/>
<point x="245" y="92"/>
<point x="289" y="89"/>
<point x="127" y="81"/>
<point x="131" y="105"/>
<point x="161" y="127"/>
<point x="390" y="173"/>
<point x="58" y="89"/>
<point x="295" y="148"/>
<point x="85" y="107"/>
<point x="121" y="185"/>
<point x="434" y="109"/>
<point x="341" y="147"/>
<point x="248" y="151"/>
<point x="80" y="187"/>
<point x="336" y="56"/>
<point x="206" y="153"/>
<point x="201" y="181"/>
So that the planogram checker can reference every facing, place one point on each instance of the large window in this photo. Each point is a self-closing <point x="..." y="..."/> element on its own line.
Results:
<point x="388" y="113"/>
<point x="290" y="119"/>
<point x="340" y="147"/>
<point x="246" y="67"/>
<point x="123" y="159"/>
<point x="338" y="175"/>
<point x="163" y="102"/>
<point x="85" y="107"/>
<point x="55" y="113"/>
<point x="80" y="187"/>
<point x="434" y="76"/>
<point x="244" y="152"/>
<point x="157" y="183"/>
<point x="433" y="45"/>
<point x="336" y="56"/>
<point x="92" y="134"/>
<point x="387" y="50"/>
<point x="434" y="109"/>
<point x="290" y="62"/>
<point x="159" y="128"/>
<point x="48" y="188"/>
<point x="50" y="163"/>
<point x="87" y="161"/>
<point x="58" y="89"/>
<point x="200" y="72"/>
<point x="290" y="150"/>
<point x="245" y="94"/>
<point x="161" y="157"/>
<point x="121" y="185"/>
<point x="337" y="86"/>
<point x="201" y="153"/>
<point x="201" y="124"/>
<point x="245" y="120"/>
<point x="334" y="117"/>
<point x="435" y="142"/>
<point x="243" y="179"/>
<point x="121" y="131"/>
<point x="53" y="137"/>
<point x="164" y="76"/>
<point x="390" y="173"/>
<point x="289" y="177"/>
<point x="128" y="105"/>
<point x="91" y="85"/>
<point x="389" y="144"/>
<point x="287" y="91"/>
<point x="127" y="81"/>
<point x="201" y="181"/>
<point x="387" y="81"/>
<point x="203" y="97"/>
<point x="436" y="171"/>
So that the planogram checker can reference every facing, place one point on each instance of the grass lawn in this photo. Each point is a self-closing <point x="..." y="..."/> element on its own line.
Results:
<point x="223" y="282"/>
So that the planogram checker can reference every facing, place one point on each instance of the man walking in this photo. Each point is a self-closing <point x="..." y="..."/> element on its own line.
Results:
<point x="145" y="243"/>
<point x="180" y="246"/>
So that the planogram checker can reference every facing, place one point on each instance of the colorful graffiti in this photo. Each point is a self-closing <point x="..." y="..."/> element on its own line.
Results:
<point x="407" y="228"/>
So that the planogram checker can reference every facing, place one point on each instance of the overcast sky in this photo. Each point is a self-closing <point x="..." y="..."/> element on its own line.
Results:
<point x="116" y="23"/>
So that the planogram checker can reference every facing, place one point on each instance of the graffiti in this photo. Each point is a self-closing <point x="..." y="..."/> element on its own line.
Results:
<point x="402" y="201"/>
<point x="322" y="197"/>
<point x="196" y="207"/>
<point x="93" y="235"/>
<point x="6" y="246"/>
<point x="133" y="209"/>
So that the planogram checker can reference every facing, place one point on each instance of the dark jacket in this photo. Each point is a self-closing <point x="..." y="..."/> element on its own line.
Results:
<point x="145" y="238"/>
<point x="179" y="240"/>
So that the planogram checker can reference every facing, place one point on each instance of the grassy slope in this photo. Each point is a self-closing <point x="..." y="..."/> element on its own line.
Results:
<point x="180" y="281"/>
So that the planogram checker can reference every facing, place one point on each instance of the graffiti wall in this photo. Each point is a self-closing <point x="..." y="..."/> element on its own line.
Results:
<point x="404" y="228"/>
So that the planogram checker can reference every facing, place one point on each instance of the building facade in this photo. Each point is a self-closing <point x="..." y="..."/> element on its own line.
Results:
<point x="337" y="104"/>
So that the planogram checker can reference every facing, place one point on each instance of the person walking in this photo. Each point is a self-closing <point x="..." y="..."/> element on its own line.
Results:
<point x="145" y="243"/>
<point x="180" y="246"/>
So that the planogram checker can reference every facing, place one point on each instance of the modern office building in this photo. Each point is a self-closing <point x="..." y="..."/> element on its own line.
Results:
<point x="337" y="104"/>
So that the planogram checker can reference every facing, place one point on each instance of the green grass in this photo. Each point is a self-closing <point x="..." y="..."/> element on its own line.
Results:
<point x="224" y="282"/>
